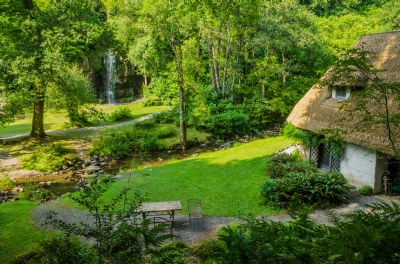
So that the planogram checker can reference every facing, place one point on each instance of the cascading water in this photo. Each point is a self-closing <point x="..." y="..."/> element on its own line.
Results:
<point x="110" y="77"/>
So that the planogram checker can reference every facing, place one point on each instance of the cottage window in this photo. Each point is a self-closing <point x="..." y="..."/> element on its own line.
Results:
<point x="341" y="93"/>
<point x="323" y="156"/>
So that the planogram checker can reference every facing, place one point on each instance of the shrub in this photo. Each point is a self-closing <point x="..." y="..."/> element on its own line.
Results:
<point x="317" y="188"/>
<point x="47" y="157"/>
<point x="228" y="124"/>
<point x="362" y="236"/>
<point x="167" y="117"/>
<point x="121" y="114"/>
<point x="65" y="249"/>
<point x="6" y="183"/>
<point x="166" y="132"/>
<point x="366" y="190"/>
<point x="36" y="193"/>
<point x="120" y="144"/>
<point x="280" y="165"/>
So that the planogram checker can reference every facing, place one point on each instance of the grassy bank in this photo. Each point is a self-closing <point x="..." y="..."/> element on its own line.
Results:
<point x="57" y="120"/>
<point x="17" y="232"/>
<point x="227" y="181"/>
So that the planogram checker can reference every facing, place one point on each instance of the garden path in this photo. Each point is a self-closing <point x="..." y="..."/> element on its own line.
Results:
<point x="212" y="223"/>
<point x="11" y="136"/>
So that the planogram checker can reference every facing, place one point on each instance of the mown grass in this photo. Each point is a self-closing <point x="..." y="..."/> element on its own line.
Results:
<point x="227" y="181"/>
<point x="57" y="120"/>
<point x="17" y="231"/>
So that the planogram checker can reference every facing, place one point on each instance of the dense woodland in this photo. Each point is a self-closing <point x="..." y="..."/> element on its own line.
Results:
<point x="227" y="69"/>
<point x="234" y="67"/>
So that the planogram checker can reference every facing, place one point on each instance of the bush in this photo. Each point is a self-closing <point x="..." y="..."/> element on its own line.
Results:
<point x="65" y="249"/>
<point x="166" y="132"/>
<point x="161" y="91"/>
<point x="317" y="188"/>
<point x="121" y="114"/>
<point x="47" y="157"/>
<point x="167" y="117"/>
<point x="228" y="124"/>
<point x="278" y="166"/>
<point x="121" y="144"/>
<point x="366" y="190"/>
<point x="36" y="193"/>
<point x="6" y="183"/>
<point x="363" y="236"/>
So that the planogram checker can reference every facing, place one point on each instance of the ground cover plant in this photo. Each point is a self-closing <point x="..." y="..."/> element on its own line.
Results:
<point x="227" y="181"/>
<point x="294" y="183"/>
<point x="363" y="236"/>
<point x="50" y="156"/>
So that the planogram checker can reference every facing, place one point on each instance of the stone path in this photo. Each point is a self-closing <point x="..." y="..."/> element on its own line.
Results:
<point x="211" y="224"/>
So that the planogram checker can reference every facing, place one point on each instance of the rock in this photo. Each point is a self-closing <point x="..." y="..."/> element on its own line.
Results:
<point x="92" y="168"/>
<point x="101" y="160"/>
<point x="49" y="183"/>
<point x="87" y="162"/>
<point x="16" y="190"/>
<point x="42" y="184"/>
<point x="103" y="164"/>
<point x="14" y="199"/>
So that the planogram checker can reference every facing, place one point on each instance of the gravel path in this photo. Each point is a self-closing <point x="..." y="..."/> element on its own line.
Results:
<point x="210" y="223"/>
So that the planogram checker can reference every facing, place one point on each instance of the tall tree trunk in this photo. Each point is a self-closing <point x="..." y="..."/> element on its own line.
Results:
<point x="227" y="55"/>
<point x="212" y="68"/>
<point x="28" y="4"/>
<point x="263" y="90"/>
<point x="175" y="44"/>
<point x="38" y="115"/>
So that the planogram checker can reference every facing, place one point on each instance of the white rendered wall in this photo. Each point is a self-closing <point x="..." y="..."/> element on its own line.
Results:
<point x="358" y="165"/>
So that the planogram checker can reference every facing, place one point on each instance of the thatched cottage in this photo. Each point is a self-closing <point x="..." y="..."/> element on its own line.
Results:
<point x="366" y="153"/>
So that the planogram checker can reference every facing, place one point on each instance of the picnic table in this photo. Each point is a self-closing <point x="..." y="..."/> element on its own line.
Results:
<point x="165" y="210"/>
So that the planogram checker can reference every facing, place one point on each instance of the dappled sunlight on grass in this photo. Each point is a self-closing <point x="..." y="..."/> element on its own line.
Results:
<point x="57" y="120"/>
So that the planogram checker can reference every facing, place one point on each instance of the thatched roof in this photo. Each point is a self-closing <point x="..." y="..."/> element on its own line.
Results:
<point x="317" y="110"/>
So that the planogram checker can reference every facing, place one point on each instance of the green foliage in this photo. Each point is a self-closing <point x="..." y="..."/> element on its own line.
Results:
<point x="6" y="183"/>
<point x="366" y="190"/>
<point x="293" y="182"/>
<point x="167" y="117"/>
<point x="282" y="164"/>
<point x="118" y="144"/>
<point x="309" y="188"/>
<point x="161" y="91"/>
<point x="362" y="236"/>
<point x="61" y="249"/>
<point x="119" y="235"/>
<point x="84" y="116"/>
<point x="51" y="39"/>
<point x="36" y="193"/>
<point x="166" y="132"/>
<point x="121" y="114"/>
<point x="50" y="156"/>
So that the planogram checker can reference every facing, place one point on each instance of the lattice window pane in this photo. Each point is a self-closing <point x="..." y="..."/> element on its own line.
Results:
<point x="325" y="156"/>
<point x="335" y="162"/>
<point x="314" y="154"/>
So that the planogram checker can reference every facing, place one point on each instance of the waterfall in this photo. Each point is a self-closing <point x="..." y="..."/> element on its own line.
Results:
<point x="110" y="62"/>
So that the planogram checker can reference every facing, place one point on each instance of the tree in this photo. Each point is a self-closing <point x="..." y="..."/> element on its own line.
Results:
<point x="40" y="41"/>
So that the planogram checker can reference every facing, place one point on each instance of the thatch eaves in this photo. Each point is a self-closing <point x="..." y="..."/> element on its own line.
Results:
<point x="318" y="111"/>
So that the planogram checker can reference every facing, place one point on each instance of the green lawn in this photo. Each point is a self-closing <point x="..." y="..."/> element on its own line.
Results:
<point x="227" y="181"/>
<point x="17" y="232"/>
<point x="56" y="120"/>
